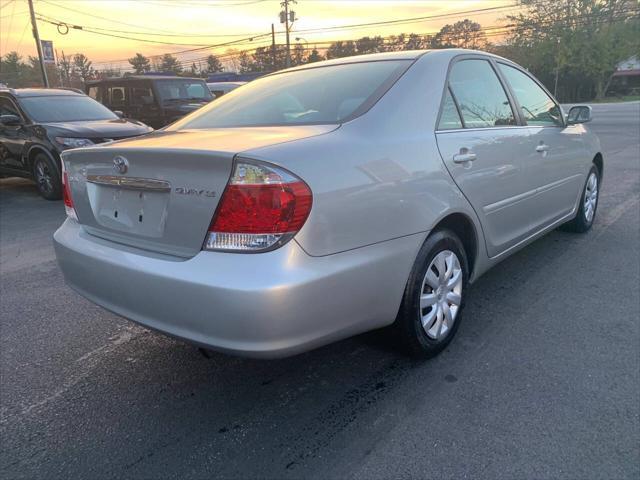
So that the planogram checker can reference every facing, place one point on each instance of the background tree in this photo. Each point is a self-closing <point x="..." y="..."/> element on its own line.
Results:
<point x="366" y="45"/>
<point x="66" y="69"/>
<point x="416" y="42"/>
<point x="341" y="49"/>
<point x="462" y="34"/>
<point x="169" y="63"/>
<point x="314" y="56"/>
<point x="140" y="64"/>
<point x="12" y="69"/>
<point x="579" y="42"/>
<point x="214" y="64"/>
<point x="83" y="66"/>
<point x="109" y="73"/>
<point x="246" y="63"/>
<point x="298" y="56"/>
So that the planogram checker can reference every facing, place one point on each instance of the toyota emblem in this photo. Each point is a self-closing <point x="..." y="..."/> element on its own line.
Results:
<point x="120" y="164"/>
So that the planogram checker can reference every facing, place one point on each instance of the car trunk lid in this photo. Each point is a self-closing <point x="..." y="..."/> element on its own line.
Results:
<point x="159" y="192"/>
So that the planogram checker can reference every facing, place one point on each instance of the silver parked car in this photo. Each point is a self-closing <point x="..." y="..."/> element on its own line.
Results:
<point x="328" y="200"/>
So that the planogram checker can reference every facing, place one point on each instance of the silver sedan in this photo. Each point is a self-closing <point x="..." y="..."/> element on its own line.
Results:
<point x="327" y="200"/>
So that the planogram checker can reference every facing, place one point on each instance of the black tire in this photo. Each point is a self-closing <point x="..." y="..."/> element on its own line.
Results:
<point x="581" y="223"/>
<point x="47" y="177"/>
<point x="408" y="327"/>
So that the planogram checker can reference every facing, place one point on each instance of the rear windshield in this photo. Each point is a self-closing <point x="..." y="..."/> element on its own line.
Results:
<point x="323" y="95"/>
<point x="65" y="108"/>
<point x="170" y="90"/>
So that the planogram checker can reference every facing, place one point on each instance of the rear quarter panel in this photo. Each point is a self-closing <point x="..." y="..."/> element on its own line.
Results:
<point x="379" y="176"/>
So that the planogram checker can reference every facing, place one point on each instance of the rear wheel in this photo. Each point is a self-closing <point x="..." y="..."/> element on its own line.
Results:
<point x="47" y="177"/>
<point x="431" y="308"/>
<point x="588" y="204"/>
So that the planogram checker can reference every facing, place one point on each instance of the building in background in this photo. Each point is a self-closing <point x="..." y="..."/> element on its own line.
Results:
<point x="626" y="79"/>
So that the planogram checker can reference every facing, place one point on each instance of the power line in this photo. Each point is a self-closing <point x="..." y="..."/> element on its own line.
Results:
<point x="101" y="18"/>
<point x="197" y="4"/>
<point x="13" y="11"/>
<point x="488" y="32"/>
<point x="388" y="22"/>
<point x="104" y="33"/>
<point x="204" y="35"/>
<point x="495" y="31"/>
<point x="406" y="20"/>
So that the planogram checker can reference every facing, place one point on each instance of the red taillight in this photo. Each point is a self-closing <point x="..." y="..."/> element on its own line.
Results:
<point x="66" y="195"/>
<point x="261" y="208"/>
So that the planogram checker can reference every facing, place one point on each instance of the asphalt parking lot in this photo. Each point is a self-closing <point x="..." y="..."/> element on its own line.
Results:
<point x="542" y="381"/>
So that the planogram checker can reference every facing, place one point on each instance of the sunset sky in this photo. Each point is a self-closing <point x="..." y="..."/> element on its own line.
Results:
<point x="190" y="24"/>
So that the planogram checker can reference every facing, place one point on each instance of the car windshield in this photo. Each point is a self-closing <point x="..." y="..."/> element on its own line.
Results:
<point x="322" y="95"/>
<point x="65" y="108"/>
<point x="180" y="90"/>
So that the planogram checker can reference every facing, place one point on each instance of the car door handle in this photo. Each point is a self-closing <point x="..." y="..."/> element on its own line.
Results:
<point x="542" y="148"/>
<point x="464" y="156"/>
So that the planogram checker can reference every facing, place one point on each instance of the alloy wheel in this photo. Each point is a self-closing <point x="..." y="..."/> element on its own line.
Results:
<point x="591" y="197"/>
<point x="441" y="294"/>
<point x="43" y="177"/>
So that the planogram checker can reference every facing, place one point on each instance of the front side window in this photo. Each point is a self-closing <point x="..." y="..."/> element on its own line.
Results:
<point x="320" y="95"/>
<point x="65" y="108"/>
<point x="8" y="108"/>
<point x="537" y="107"/>
<point x="482" y="100"/>
<point x="141" y="96"/>
<point x="181" y="90"/>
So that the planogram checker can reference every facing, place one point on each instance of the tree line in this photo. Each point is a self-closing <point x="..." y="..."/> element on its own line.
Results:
<point x="573" y="46"/>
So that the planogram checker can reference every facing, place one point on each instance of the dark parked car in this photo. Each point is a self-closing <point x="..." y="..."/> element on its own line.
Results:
<point x="156" y="100"/>
<point x="37" y="124"/>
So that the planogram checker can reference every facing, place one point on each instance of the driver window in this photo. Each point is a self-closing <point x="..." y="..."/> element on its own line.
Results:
<point x="537" y="107"/>
<point x="8" y="108"/>
<point x="141" y="96"/>
<point x="482" y="100"/>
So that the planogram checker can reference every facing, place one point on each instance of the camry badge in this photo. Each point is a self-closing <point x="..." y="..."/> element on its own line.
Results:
<point x="194" y="192"/>
<point x="120" y="164"/>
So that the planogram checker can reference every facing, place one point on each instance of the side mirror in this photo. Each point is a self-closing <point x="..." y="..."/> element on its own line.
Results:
<point x="579" y="114"/>
<point x="119" y="113"/>
<point x="10" y="120"/>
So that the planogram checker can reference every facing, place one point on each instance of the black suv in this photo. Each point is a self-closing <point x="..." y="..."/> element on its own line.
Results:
<point x="37" y="124"/>
<point x="156" y="100"/>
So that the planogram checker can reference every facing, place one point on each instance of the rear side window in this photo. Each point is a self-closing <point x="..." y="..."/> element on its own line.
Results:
<point x="482" y="100"/>
<point x="321" y="95"/>
<point x="450" y="119"/>
<point x="116" y="96"/>
<point x="93" y="93"/>
<point x="537" y="107"/>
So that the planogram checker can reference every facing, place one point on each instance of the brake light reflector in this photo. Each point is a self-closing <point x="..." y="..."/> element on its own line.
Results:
<point x="261" y="208"/>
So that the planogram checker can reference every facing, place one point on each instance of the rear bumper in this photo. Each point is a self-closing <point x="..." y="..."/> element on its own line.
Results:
<point x="273" y="304"/>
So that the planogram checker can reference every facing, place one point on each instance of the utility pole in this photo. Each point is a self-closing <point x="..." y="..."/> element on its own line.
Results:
<point x="287" y="17"/>
<point x="273" y="46"/>
<point x="36" y="35"/>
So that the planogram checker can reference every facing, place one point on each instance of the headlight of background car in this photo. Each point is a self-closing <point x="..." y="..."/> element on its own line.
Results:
<point x="74" y="142"/>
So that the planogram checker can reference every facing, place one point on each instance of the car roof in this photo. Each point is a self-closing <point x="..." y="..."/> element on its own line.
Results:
<point x="224" y="84"/>
<point x="42" y="92"/>
<point x="135" y="78"/>
<point x="371" y="57"/>
<point x="447" y="53"/>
